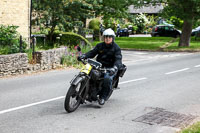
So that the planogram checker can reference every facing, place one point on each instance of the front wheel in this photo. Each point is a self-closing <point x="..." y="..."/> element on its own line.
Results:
<point x="73" y="99"/>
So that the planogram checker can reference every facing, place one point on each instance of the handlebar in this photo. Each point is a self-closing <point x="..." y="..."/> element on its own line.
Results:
<point x="97" y="65"/>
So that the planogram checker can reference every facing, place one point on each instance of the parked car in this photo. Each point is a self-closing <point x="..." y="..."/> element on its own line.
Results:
<point x="122" y="32"/>
<point x="195" y="31"/>
<point x="165" y="30"/>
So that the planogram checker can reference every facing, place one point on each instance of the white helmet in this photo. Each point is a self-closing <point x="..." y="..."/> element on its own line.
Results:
<point x="109" y="32"/>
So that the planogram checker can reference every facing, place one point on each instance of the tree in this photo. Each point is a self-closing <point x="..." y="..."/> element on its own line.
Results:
<point x="62" y="14"/>
<point x="187" y="10"/>
<point x="50" y="14"/>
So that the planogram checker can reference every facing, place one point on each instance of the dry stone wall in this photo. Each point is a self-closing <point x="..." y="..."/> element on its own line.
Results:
<point x="50" y="59"/>
<point x="15" y="64"/>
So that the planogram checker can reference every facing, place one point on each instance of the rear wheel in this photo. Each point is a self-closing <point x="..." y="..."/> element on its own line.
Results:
<point x="72" y="99"/>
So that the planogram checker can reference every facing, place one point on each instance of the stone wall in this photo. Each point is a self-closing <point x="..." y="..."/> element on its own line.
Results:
<point x="50" y="59"/>
<point x="16" y="12"/>
<point x="15" y="64"/>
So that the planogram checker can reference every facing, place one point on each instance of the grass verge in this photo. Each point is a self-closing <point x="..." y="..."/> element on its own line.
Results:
<point x="155" y="44"/>
<point x="195" y="128"/>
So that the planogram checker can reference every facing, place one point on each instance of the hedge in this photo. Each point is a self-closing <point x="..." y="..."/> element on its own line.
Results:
<point x="72" y="39"/>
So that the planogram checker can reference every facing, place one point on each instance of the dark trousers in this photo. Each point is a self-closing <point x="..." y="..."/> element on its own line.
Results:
<point x="107" y="85"/>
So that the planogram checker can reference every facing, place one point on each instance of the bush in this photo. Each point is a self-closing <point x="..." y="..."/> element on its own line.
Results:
<point x="71" y="58"/>
<point x="94" y="25"/>
<point x="9" y="40"/>
<point x="71" y="39"/>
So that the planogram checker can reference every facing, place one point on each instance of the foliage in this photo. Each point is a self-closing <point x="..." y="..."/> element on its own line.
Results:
<point x="72" y="39"/>
<point x="140" y="20"/>
<point x="66" y="15"/>
<point x="183" y="11"/>
<point x="9" y="40"/>
<point x="110" y="23"/>
<point x="177" y="22"/>
<point x="179" y="9"/>
<point x="195" y="128"/>
<point x="29" y="54"/>
<point x="71" y="58"/>
<point x="94" y="24"/>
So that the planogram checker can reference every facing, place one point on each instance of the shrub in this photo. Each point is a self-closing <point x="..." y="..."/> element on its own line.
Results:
<point x="71" y="58"/>
<point x="9" y="40"/>
<point x="71" y="39"/>
<point x="140" y="21"/>
<point x="94" y="25"/>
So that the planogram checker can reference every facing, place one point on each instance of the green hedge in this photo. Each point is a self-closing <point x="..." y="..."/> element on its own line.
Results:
<point x="72" y="39"/>
<point x="94" y="25"/>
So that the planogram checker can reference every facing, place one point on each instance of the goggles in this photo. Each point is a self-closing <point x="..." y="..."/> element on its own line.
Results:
<point x="108" y="36"/>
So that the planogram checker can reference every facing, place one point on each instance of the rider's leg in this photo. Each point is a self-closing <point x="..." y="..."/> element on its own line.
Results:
<point x="107" y="85"/>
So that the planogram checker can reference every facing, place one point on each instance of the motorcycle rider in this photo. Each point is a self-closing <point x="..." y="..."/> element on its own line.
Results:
<point x="109" y="54"/>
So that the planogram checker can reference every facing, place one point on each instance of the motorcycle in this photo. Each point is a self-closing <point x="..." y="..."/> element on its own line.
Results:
<point x="87" y="85"/>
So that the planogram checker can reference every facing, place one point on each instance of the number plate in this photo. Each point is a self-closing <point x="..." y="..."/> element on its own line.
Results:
<point x="86" y="68"/>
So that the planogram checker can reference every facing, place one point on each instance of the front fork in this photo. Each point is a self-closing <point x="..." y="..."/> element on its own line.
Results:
<point x="84" y="78"/>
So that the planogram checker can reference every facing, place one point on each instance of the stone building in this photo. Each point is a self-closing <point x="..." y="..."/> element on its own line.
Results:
<point x="16" y="12"/>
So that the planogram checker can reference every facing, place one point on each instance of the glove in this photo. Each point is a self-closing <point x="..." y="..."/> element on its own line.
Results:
<point x="113" y="70"/>
<point x="80" y="57"/>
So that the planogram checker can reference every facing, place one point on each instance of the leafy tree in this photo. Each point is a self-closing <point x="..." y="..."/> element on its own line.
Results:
<point x="49" y="13"/>
<point x="62" y="14"/>
<point x="187" y="10"/>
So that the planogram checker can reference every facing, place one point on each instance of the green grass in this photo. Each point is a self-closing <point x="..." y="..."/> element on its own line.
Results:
<point x="195" y="128"/>
<point x="141" y="43"/>
<point x="194" y="45"/>
<point x="153" y="43"/>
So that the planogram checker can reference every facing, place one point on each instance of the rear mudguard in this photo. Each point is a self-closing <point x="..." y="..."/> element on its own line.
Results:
<point x="77" y="79"/>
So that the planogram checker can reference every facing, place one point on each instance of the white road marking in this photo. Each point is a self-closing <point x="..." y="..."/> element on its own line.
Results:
<point x="29" y="105"/>
<point x="132" y="80"/>
<point x="53" y="99"/>
<point x="177" y="71"/>
<point x="197" y="66"/>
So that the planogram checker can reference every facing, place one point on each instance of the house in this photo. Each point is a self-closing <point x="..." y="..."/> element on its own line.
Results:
<point x="16" y="12"/>
<point x="150" y="9"/>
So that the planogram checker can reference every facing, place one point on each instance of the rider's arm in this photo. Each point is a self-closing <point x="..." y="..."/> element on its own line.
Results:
<point x="92" y="53"/>
<point x="118" y="58"/>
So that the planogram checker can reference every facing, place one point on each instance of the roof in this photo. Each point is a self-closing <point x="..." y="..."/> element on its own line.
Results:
<point x="146" y="9"/>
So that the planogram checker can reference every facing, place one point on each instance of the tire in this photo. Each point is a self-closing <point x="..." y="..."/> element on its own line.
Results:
<point x="71" y="95"/>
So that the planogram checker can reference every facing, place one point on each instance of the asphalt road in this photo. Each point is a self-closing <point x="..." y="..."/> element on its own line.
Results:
<point x="166" y="81"/>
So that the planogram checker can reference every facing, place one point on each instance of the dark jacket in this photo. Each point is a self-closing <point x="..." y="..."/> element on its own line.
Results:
<point x="109" y="55"/>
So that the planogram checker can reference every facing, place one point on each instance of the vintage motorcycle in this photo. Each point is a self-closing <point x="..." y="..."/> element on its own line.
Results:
<point x="87" y="85"/>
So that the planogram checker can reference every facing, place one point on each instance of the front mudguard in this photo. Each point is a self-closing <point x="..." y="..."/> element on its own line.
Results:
<point x="77" y="79"/>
